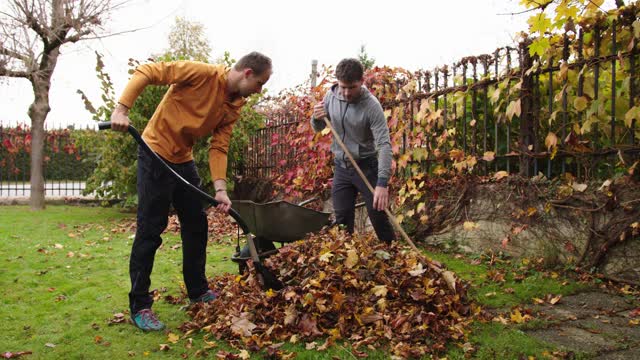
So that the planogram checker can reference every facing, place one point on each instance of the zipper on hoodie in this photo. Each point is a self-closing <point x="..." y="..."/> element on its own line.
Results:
<point x="344" y="132"/>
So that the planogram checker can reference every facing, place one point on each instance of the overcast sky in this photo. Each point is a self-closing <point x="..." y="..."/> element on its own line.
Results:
<point x="405" y="33"/>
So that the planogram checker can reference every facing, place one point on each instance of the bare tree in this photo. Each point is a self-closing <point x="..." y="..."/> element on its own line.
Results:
<point x="31" y="34"/>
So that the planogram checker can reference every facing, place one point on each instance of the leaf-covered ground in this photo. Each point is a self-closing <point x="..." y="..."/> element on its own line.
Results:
<point x="339" y="287"/>
<point x="221" y="229"/>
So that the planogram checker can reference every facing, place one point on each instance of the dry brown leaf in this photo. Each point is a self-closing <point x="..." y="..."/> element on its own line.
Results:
<point x="242" y="326"/>
<point x="352" y="259"/>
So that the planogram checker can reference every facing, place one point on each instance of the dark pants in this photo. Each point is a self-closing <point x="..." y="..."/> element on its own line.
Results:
<point x="157" y="190"/>
<point x="346" y="185"/>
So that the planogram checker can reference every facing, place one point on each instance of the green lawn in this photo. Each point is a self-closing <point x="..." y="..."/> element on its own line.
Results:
<point x="58" y="305"/>
<point x="65" y="275"/>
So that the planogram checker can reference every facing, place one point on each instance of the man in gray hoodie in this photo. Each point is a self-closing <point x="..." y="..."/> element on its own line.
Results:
<point x="357" y="117"/>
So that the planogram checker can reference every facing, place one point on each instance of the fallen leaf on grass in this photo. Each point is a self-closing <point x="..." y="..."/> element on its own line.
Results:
<point x="468" y="347"/>
<point x="173" y="338"/>
<point x="496" y="276"/>
<point x="118" y="318"/>
<point x="210" y="344"/>
<point x="15" y="355"/>
<point x="554" y="299"/>
<point x="517" y="317"/>
<point x="500" y="319"/>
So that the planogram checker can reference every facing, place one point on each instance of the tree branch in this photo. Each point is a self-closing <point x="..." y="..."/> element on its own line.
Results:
<point x="118" y="33"/>
<point x="78" y="36"/>
<point x="540" y="7"/>
<point x="596" y="5"/>
<point x="14" y="54"/>
<point x="15" y="74"/>
<point x="32" y="22"/>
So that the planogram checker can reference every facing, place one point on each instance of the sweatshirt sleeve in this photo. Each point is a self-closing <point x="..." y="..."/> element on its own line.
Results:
<point x="318" y="124"/>
<point x="162" y="73"/>
<point x="382" y="140"/>
<point x="219" y="148"/>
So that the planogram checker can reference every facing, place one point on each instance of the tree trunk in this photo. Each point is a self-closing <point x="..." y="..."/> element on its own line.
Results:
<point x="38" y="111"/>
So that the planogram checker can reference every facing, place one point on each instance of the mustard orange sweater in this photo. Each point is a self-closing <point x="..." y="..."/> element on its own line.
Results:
<point x="194" y="106"/>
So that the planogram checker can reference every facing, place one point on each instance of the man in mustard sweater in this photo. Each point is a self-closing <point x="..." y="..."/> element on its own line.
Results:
<point x="202" y="100"/>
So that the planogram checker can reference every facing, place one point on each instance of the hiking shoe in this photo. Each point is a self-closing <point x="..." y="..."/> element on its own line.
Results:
<point x="209" y="296"/>
<point x="146" y="320"/>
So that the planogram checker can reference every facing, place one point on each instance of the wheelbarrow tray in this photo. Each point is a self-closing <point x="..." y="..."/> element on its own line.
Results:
<point x="280" y="221"/>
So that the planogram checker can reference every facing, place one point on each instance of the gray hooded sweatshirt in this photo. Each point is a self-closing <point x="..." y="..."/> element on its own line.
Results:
<point x="362" y="127"/>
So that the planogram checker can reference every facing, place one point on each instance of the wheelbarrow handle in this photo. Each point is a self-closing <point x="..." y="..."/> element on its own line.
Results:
<point x="136" y="135"/>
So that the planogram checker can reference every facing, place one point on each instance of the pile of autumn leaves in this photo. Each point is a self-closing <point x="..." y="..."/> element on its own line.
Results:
<point x="337" y="288"/>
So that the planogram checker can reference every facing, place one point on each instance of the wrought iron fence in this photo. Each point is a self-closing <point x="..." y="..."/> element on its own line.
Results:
<point x="261" y="158"/>
<point x="566" y="96"/>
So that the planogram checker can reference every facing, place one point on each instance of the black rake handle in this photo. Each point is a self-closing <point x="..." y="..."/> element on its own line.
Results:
<point x="136" y="135"/>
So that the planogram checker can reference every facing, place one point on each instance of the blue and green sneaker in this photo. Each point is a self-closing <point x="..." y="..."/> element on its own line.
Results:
<point x="146" y="320"/>
<point x="209" y="296"/>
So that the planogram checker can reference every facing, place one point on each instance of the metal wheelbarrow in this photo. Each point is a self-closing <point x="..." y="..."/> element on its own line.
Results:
<point x="277" y="221"/>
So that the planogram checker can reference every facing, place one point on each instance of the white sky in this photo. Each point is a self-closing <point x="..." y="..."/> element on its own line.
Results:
<point x="405" y="33"/>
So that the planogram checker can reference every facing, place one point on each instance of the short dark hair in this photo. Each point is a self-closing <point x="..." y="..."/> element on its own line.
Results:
<point x="255" y="61"/>
<point x="349" y="70"/>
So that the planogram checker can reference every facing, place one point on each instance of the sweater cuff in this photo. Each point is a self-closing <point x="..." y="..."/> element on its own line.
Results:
<point x="382" y="182"/>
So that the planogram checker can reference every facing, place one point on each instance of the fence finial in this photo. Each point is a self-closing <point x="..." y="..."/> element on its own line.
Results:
<point x="314" y="72"/>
